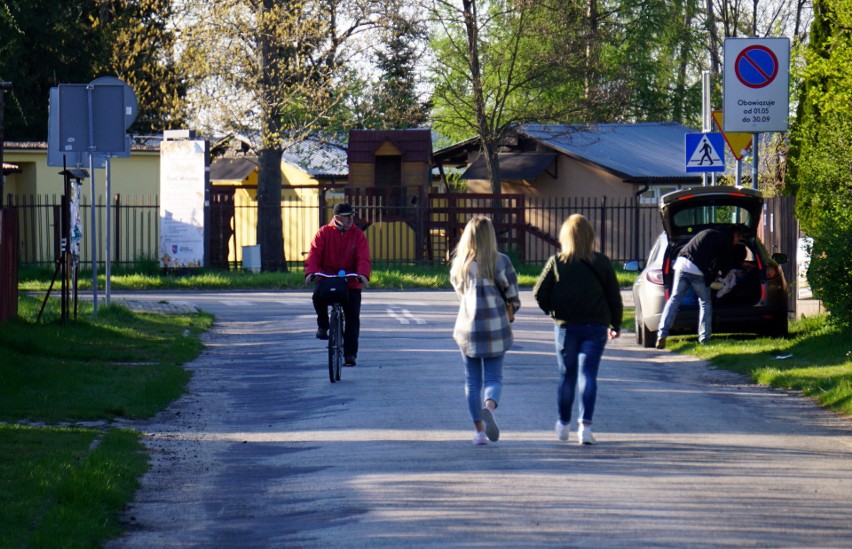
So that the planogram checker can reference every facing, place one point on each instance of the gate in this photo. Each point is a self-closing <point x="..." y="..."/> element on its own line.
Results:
<point x="8" y="264"/>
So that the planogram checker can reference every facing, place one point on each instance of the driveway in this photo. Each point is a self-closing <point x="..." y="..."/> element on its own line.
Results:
<point x="264" y="452"/>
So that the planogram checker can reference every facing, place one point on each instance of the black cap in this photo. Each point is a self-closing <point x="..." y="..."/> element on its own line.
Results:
<point x="343" y="208"/>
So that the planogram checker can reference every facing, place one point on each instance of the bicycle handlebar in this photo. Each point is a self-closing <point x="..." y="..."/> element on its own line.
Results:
<point x="341" y="274"/>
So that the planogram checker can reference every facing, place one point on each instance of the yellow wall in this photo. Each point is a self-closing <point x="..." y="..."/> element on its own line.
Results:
<point x="138" y="175"/>
<point x="299" y="214"/>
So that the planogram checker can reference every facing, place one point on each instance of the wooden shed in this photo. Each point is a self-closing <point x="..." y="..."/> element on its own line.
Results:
<point x="394" y="166"/>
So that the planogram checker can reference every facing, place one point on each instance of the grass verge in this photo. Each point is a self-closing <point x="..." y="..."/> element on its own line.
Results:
<point x="816" y="360"/>
<point x="62" y="485"/>
<point x="384" y="277"/>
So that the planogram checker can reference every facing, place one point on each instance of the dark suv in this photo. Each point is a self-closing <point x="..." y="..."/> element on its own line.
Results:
<point x="757" y="303"/>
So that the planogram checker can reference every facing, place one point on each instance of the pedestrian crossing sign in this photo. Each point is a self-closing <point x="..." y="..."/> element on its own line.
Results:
<point x="705" y="152"/>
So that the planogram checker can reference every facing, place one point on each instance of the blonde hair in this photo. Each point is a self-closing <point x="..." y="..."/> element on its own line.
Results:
<point x="577" y="238"/>
<point x="478" y="243"/>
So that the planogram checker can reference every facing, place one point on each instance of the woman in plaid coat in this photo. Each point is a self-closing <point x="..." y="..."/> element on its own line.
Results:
<point x="485" y="282"/>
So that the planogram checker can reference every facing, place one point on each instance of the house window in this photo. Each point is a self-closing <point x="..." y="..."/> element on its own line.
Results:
<point x="652" y="195"/>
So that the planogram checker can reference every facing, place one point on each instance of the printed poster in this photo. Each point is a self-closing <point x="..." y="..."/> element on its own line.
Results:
<point x="182" y="203"/>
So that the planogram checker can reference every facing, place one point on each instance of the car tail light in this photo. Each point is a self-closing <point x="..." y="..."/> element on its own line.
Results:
<point x="772" y="271"/>
<point x="655" y="276"/>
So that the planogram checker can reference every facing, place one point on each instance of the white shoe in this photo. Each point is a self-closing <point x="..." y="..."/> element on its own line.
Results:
<point x="492" y="431"/>
<point x="561" y="430"/>
<point x="584" y="435"/>
<point x="480" y="438"/>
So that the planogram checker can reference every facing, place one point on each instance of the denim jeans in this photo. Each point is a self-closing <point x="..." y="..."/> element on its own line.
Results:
<point x="482" y="375"/>
<point x="681" y="284"/>
<point x="579" y="348"/>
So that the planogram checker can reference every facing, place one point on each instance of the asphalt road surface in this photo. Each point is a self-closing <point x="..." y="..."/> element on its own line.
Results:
<point x="265" y="452"/>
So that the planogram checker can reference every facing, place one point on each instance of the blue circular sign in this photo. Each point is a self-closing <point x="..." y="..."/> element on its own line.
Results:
<point x="756" y="66"/>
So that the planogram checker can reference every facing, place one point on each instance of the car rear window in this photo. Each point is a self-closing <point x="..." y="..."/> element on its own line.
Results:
<point x="691" y="218"/>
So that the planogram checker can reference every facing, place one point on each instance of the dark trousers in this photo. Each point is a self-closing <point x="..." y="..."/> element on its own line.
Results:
<point x="351" y="323"/>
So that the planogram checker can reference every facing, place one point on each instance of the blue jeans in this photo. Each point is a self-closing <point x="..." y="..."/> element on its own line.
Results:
<point x="579" y="348"/>
<point x="681" y="284"/>
<point x="482" y="373"/>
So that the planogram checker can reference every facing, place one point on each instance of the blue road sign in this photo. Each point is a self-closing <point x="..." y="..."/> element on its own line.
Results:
<point x="705" y="152"/>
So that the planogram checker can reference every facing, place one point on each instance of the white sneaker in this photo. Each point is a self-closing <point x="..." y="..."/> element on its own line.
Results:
<point x="480" y="438"/>
<point x="561" y="430"/>
<point x="584" y="435"/>
<point x="492" y="431"/>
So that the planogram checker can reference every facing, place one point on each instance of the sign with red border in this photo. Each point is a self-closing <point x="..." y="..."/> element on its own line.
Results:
<point x="756" y="85"/>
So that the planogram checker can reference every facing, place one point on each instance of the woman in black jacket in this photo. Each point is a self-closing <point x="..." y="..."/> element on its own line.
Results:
<point x="579" y="290"/>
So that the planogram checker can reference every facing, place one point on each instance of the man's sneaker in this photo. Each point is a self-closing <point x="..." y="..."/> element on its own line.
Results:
<point x="661" y="343"/>
<point x="584" y="435"/>
<point x="322" y="333"/>
<point x="561" y="430"/>
<point x="480" y="438"/>
<point x="492" y="431"/>
<point x="349" y="360"/>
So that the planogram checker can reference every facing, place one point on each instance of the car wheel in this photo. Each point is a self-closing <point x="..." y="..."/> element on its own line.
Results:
<point x="778" y="328"/>
<point x="638" y="326"/>
<point x="649" y="337"/>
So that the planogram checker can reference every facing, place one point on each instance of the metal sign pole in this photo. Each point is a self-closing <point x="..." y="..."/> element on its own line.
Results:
<point x="94" y="230"/>
<point x="107" y="229"/>
<point x="706" y="112"/>
<point x="754" y="160"/>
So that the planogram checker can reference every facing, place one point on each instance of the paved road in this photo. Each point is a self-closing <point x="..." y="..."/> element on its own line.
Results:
<point x="265" y="452"/>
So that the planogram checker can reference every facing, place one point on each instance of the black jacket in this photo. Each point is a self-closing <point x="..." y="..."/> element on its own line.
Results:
<point x="712" y="251"/>
<point x="578" y="292"/>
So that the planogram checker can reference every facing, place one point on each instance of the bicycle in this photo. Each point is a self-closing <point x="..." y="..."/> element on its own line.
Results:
<point x="335" y="290"/>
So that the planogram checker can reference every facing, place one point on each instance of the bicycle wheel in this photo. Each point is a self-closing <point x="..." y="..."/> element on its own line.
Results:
<point x="338" y="360"/>
<point x="333" y="336"/>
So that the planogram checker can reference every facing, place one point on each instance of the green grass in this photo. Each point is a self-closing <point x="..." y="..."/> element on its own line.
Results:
<point x="64" y="486"/>
<point x="117" y="363"/>
<point x="384" y="277"/>
<point x="816" y="359"/>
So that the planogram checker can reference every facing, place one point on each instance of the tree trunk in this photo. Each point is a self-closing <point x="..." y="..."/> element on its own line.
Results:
<point x="269" y="229"/>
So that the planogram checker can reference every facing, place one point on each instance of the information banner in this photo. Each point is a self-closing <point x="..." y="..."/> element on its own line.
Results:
<point x="756" y="85"/>
<point x="182" y="203"/>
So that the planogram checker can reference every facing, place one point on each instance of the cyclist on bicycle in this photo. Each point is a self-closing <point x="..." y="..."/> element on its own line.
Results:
<point x="341" y="245"/>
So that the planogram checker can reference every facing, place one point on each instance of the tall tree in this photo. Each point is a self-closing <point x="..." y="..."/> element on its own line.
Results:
<point x="490" y="72"/>
<point x="139" y="46"/>
<point x="821" y="159"/>
<point x="44" y="44"/>
<point x="273" y="67"/>
<point x="394" y="100"/>
<point x="54" y="42"/>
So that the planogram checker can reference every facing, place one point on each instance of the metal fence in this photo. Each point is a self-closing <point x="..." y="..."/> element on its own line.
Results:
<point x="414" y="230"/>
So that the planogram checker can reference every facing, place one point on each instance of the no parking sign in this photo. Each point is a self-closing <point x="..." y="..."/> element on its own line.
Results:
<point x="756" y="84"/>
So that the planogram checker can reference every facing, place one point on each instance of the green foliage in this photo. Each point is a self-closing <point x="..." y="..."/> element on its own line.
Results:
<point x="44" y="44"/>
<point x="54" y="42"/>
<point x="821" y="159"/>
<point x="139" y="40"/>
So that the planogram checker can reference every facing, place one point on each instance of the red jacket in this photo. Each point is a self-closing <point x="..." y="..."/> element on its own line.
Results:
<point x="333" y="250"/>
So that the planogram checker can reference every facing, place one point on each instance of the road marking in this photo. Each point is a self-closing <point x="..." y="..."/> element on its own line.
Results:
<point x="403" y="316"/>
